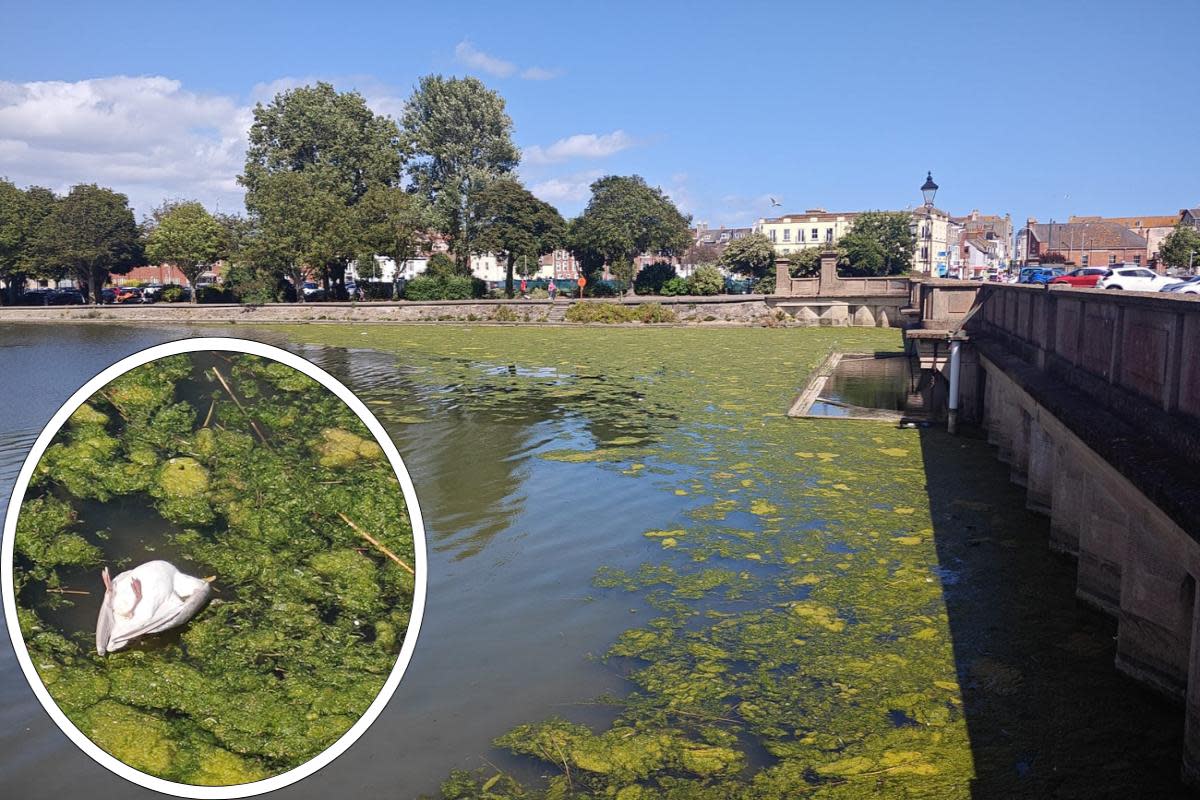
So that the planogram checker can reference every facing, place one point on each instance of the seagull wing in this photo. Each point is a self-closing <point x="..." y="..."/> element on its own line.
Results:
<point x="104" y="623"/>
<point x="169" y="617"/>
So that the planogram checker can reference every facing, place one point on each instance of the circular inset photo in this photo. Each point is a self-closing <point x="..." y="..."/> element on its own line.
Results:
<point x="213" y="568"/>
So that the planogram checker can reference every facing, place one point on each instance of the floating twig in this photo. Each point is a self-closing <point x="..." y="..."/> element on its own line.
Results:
<point x="67" y="591"/>
<point x="208" y="416"/>
<point x="377" y="543"/>
<point x="241" y="407"/>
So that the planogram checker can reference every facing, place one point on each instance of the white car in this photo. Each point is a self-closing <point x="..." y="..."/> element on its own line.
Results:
<point x="1134" y="279"/>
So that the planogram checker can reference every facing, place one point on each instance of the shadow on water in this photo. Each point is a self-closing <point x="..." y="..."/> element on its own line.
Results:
<point x="1046" y="712"/>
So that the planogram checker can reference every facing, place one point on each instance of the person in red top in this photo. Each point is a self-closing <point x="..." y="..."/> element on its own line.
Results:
<point x="524" y="287"/>
<point x="552" y="288"/>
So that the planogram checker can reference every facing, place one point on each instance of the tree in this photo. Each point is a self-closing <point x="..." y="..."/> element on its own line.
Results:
<point x="461" y="139"/>
<point x="879" y="243"/>
<point x="441" y="265"/>
<point x="1181" y="248"/>
<point x="702" y="253"/>
<point x="298" y="225"/>
<point x="624" y="219"/>
<point x="804" y="262"/>
<point x="21" y="215"/>
<point x="91" y="233"/>
<point x="752" y="255"/>
<point x="390" y="222"/>
<point x="342" y="149"/>
<point x="510" y="222"/>
<point x="186" y="236"/>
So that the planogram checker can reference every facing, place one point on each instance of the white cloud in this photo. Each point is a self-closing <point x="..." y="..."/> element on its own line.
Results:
<point x="570" y="189"/>
<point x="145" y="136"/>
<point x="581" y="145"/>
<point x="474" y="58"/>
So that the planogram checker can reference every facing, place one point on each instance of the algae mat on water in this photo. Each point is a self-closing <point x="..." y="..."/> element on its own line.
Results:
<point x="237" y="469"/>
<point x="818" y="631"/>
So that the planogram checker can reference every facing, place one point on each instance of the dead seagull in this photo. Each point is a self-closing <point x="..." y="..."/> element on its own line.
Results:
<point x="146" y="599"/>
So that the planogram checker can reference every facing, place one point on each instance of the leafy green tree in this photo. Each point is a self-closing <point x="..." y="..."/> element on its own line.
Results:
<point x="342" y="149"/>
<point x="91" y="233"/>
<point x="333" y="134"/>
<point x="753" y="256"/>
<point x="22" y="213"/>
<point x="186" y="236"/>
<point x="1181" y="248"/>
<point x="460" y="137"/>
<point x="510" y="222"/>
<point x="879" y="243"/>
<point x="652" y="278"/>
<point x="441" y="265"/>
<point x="299" y="226"/>
<point x="804" y="262"/>
<point x="390" y="222"/>
<point x="624" y="219"/>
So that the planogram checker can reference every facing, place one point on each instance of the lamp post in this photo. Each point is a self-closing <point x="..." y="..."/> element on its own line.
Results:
<point x="928" y="191"/>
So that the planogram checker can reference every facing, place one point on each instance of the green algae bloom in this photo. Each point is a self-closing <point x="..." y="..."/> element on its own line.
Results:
<point x="236" y="469"/>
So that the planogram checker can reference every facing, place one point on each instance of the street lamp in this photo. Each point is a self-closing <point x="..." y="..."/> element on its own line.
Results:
<point x="929" y="189"/>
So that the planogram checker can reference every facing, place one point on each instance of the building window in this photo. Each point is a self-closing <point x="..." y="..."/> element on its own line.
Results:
<point x="829" y="234"/>
<point x="1083" y="262"/>
<point x="787" y="234"/>
<point x="924" y="253"/>
<point x="1112" y="259"/>
<point x="814" y="234"/>
<point x="772" y="234"/>
<point x="1137" y="259"/>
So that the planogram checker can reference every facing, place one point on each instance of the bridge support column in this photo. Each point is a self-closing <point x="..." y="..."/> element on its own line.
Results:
<point x="1103" y="541"/>
<point x="1039" y="491"/>
<point x="1067" y="508"/>
<point x="1190" y="772"/>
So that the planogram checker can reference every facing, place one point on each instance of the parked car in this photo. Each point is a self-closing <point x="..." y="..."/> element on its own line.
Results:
<point x="128" y="294"/>
<point x="108" y="296"/>
<point x="1187" y="286"/>
<point x="1042" y="275"/>
<point x="312" y="291"/>
<point x="66" y="297"/>
<point x="37" y="297"/>
<point x="151" y="292"/>
<point x="1084" y="276"/>
<point x="1134" y="279"/>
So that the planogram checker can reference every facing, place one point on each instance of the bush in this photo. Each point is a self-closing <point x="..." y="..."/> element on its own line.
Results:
<point x="538" y="293"/>
<point x="172" y="294"/>
<point x="764" y="285"/>
<point x="601" y="289"/>
<point x="706" y="280"/>
<point x="250" y="285"/>
<point x="440" y="287"/>
<point x="441" y="264"/>
<point x="651" y="279"/>
<point x="212" y="294"/>
<point x="616" y="313"/>
<point x="675" y="286"/>
<point x="377" y="290"/>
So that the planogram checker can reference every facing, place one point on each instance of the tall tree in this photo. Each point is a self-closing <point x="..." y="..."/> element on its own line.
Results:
<point x="91" y="233"/>
<point x="624" y="219"/>
<point x="390" y="222"/>
<point x="186" y="236"/>
<point x="752" y="255"/>
<point x="340" y="146"/>
<point x="298" y="225"/>
<point x="879" y="243"/>
<point x="22" y="212"/>
<point x="1181" y="248"/>
<point x="461" y="139"/>
<point x="510" y="222"/>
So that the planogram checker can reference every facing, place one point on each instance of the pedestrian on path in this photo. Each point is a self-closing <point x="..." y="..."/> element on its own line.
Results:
<point x="552" y="288"/>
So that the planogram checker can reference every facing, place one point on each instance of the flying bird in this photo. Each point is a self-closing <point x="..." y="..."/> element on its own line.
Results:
<point x="146" y="599"/>
<point x="774" y="202"/>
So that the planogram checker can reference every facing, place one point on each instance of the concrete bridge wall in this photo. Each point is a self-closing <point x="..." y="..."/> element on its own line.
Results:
<point x="1093" y="398"/>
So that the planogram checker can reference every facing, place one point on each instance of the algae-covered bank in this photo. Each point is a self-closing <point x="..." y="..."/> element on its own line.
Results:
<point x="253" y="476"/>
<point x="811" y="608"/>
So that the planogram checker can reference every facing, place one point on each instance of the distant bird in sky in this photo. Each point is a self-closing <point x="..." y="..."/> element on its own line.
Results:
<point x="146" y="599"/>
<point x="774" y="202"/>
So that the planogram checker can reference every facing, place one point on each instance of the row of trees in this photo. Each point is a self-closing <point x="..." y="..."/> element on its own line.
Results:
<point x="329" y="183"/>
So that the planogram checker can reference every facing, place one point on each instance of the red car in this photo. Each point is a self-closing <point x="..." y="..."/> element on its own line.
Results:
<point x="128" y="294"/>
<point x="1085" y="276"/>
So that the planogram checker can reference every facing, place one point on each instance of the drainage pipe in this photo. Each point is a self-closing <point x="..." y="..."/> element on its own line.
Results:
<point x="955" y="365"/>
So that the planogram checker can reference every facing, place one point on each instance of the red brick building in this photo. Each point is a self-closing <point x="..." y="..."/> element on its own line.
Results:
<point x="1085" y="244"/>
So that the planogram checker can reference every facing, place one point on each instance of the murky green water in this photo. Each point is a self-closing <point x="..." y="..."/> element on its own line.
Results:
<point x="775" y="607"/>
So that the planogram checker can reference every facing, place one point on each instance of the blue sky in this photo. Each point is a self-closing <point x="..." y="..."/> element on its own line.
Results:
<point x="1036" y="109"/>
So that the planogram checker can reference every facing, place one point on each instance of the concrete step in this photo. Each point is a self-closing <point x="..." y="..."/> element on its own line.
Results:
<point x="558" y="312"/>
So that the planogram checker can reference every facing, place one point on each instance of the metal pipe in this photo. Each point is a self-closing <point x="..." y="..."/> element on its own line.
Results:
<point x="955" y="365"/>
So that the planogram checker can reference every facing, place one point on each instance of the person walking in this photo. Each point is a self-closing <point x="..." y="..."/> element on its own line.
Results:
<point x="524" y="289"/>
<point x="552" y="288"/>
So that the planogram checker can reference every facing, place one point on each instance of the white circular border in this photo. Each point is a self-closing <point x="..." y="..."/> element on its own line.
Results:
<point x="10" y="606"/>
